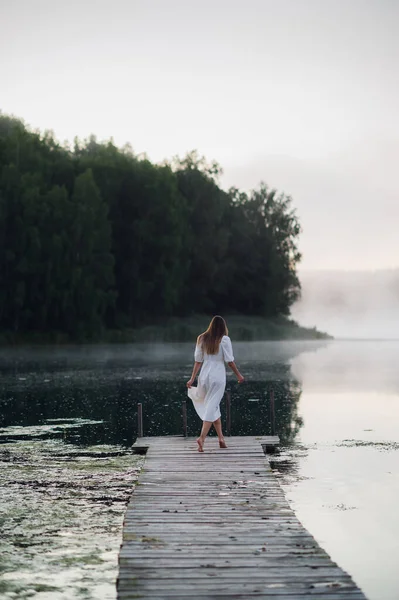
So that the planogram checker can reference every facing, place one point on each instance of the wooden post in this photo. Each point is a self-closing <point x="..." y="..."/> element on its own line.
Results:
<point x="272" y="413"/>
<point x="228" y="413"/>
<point x="139" y="420"/>
<point x="184" y="412"/>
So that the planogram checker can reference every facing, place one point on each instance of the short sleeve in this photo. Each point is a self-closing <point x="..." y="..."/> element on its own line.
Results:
<point x="227" y="349"/>
<point x="198" y="354"/>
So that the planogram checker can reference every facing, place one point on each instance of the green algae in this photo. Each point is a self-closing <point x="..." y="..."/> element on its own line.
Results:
<point x="383" y="446"/>
<point x="61" y="515"/>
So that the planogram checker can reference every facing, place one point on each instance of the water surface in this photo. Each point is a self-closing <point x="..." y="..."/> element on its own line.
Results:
<point x="342" y="473"/>
<point x="68" y="418"/>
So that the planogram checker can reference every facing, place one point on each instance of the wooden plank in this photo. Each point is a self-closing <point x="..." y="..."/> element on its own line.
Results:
<point x="233" y="595"/>
<point x="143" y="444"/>
<point x="217" y="525"/>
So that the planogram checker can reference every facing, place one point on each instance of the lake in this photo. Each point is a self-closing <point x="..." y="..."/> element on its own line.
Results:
<point x="68" y="417"/>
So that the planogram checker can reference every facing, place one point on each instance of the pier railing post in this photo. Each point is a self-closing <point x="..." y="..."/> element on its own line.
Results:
<point x="139" y="420"/>
<point x="272" y="413"/>
<point x="228" y="413"/>
<point x="184" y="413"/>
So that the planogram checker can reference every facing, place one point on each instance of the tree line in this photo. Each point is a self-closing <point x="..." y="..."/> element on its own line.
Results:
<point x="95" y="237"/>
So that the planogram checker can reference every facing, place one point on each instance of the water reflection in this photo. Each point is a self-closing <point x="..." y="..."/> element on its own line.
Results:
<point x="341" y="475"/>
<point x="110" y="409"/>
<point x="104" y="384"/>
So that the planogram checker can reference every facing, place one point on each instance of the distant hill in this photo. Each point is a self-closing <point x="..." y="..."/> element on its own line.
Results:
<point x="358" y="304"/>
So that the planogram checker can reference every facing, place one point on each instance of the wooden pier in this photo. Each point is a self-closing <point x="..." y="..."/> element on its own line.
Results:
<point x="217" y="525"/>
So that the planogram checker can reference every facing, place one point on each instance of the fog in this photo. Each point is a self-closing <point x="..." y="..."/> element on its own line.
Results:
<point x="346" y="202"/>
<point x="361" y="305"/>
<point x="157" y="358"/>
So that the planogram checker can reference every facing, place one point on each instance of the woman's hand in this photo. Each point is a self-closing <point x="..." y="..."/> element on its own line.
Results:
<point x="240" y="378"/>
<point x="190" y="383"/>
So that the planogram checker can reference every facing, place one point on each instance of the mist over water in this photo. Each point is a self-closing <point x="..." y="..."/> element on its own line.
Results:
<point x="104" y="385"/>
<point x="360" y="305"/>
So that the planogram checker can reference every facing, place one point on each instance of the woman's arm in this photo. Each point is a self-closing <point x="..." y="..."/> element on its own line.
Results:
<point x="196" y="368"/>
<point x="228" y="356"/>
<point x="233" y="367"/>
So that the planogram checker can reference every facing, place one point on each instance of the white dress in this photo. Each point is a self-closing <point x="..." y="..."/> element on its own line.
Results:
<point x="211" y="381"/>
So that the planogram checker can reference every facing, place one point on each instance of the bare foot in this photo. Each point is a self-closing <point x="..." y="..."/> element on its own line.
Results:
<point x="200" y="445"/>
<point x="222" y="444"/>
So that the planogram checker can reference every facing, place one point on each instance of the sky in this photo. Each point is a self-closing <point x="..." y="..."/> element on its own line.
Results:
<point x="302" y="94"/>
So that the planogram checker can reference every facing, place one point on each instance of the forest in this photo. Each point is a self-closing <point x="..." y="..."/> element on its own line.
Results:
<point x="94" y="237"/>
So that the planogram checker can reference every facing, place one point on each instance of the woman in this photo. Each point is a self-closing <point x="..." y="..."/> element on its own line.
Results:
<point x="213" y="349"/>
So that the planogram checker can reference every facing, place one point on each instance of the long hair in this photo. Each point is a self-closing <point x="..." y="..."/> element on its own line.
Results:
<point x="211" y="338"/>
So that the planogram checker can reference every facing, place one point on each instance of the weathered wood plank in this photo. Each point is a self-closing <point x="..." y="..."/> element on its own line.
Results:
<point x="217" y="525"/>
<point x="212" y="584"/>
<point x="234" y="595"/>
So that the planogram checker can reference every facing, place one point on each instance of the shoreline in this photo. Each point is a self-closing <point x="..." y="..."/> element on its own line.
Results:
<point x="177" y="329"/>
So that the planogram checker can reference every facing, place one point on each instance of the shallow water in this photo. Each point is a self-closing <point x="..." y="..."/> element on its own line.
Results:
<point x="68" y="417"/>
<point x="342" y="473"/>
<point x="61" y="514"/>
